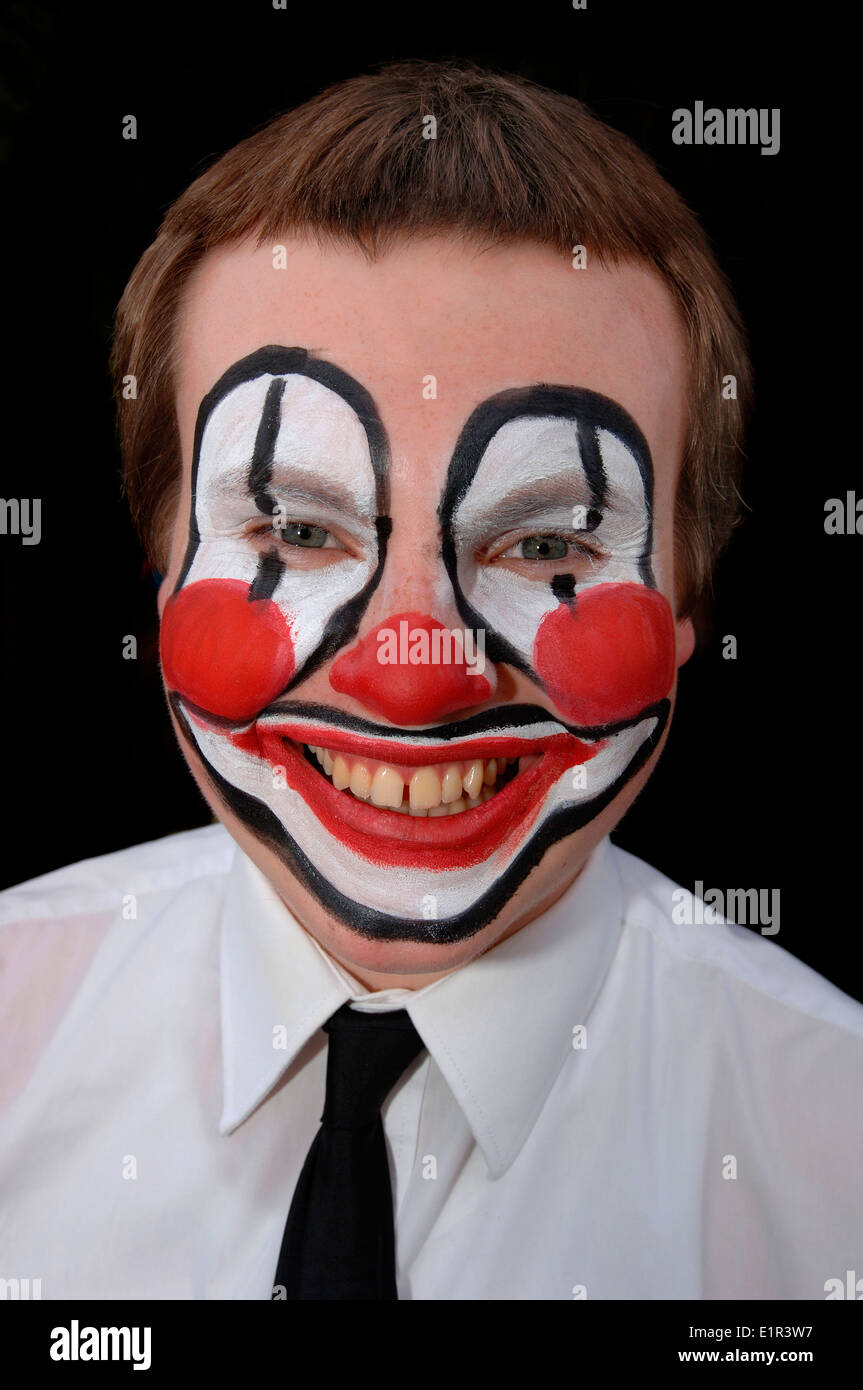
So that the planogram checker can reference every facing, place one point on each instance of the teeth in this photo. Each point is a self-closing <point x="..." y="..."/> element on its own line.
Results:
<point x="361" y="781"/>
<point x="425" y="790"/>
<point x="472" y="780"/>
<point x="341" y="773"/>
<point x="451" y="785"/>
<point x="431" y="791"/>
<point x="387" y="787"/>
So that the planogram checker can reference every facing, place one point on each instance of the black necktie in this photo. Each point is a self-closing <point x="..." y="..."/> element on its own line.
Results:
<point x="339" y="1240"/>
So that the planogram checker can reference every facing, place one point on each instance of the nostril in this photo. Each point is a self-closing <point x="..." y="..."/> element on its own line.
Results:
<point x="414" y="670"/>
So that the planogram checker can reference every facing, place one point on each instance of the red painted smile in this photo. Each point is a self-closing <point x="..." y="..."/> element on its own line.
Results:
<point x="412" y="806"/>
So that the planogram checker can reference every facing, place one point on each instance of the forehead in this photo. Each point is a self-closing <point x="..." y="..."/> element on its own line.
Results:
<point x="479" y="322"/>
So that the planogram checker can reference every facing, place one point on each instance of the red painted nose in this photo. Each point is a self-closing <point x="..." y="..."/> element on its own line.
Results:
<point x="413" y="670"/>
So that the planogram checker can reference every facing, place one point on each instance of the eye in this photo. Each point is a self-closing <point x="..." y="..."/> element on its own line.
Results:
<point x="304" y="544"/>
<point x="302" y="534"/>
<point x="539" y="548"/>
<point x="530" y="554"/>
<point x="542" y="548"/>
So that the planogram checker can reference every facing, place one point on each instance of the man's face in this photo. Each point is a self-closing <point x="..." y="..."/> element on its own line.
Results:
<point x="417" y="631"/>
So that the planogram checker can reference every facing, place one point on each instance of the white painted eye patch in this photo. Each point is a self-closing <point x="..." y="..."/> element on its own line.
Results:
<point x="283" y="438"/>
<point x="317" y="469"/>
<point x="535" y="468"/>
<point x="601" y="642"/>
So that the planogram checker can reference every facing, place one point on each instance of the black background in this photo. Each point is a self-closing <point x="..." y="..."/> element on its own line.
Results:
<point x="758" y="784"/>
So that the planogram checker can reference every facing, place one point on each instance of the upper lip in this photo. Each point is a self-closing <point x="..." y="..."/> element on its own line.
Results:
<point x="505" y="738"/>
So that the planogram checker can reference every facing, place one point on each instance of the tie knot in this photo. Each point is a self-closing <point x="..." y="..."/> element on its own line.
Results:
<point x="367" y="1054"/>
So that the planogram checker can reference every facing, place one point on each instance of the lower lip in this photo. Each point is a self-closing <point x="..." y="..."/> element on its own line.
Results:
<point x="439" y="842"/>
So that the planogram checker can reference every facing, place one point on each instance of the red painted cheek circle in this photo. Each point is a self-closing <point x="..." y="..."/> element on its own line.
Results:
<point x="221" y="651"/>
<point x="609" y="655"/>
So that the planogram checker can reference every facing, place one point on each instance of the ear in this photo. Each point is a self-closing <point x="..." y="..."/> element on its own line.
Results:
<point x="685" y="640"/>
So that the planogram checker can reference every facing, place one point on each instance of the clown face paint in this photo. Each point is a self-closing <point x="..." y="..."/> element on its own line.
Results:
<point x="565" y="463"/>
<point x="280" y="432"/>
<point x="551" y="472"/>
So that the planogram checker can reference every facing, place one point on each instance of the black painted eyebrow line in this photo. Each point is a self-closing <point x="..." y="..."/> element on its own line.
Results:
<point x="591" y="411"/>
<point x="587" y="410"/>
<point x="278" y="361"/>
<point x="261" y="465"/>
<point x="591" y="457"/>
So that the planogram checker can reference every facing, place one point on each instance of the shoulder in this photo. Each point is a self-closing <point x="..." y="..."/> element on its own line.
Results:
<point x="94" y="886"/>
<point x="55" y="927"/>
<point x="705" y="942"/>
<point x="753" y="1057"/>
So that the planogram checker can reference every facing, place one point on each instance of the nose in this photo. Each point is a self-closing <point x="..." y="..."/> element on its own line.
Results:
<point x="413" y="670"/>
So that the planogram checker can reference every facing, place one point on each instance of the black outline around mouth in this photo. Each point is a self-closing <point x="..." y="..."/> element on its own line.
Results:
<point x="380" y="926"/>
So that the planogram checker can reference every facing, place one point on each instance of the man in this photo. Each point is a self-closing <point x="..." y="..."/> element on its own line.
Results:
<point x="430" y="445"/>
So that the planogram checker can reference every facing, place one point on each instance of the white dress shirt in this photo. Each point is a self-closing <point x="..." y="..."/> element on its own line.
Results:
<point x="611" y="1106"/>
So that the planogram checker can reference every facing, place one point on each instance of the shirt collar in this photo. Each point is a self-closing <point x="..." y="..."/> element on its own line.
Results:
<point x="499" y="1028"/>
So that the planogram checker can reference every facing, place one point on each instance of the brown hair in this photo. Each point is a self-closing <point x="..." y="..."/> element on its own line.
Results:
<point x="511" y="160"/>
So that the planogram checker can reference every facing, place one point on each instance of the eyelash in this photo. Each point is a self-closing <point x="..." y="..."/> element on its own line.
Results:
<point x="275" y="533"/>
<point x="578" y="548"/>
